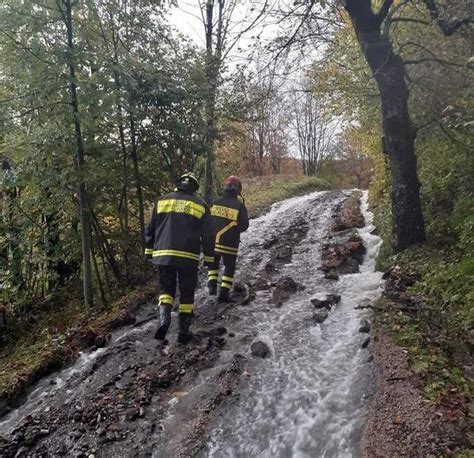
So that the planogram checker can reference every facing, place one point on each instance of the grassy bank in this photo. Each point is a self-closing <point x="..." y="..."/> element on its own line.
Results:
<point x="428" y="311"/>
<point x="34" y="347"/>
<point x="433" y="316"/>
<point x="261" y="192"/>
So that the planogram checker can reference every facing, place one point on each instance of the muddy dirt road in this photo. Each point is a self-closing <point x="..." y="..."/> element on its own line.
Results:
<point x="284" y="371"/>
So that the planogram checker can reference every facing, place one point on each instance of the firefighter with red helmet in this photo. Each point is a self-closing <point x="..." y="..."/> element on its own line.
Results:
<point x="230" y="219"/>
<point x="179" y="225"/>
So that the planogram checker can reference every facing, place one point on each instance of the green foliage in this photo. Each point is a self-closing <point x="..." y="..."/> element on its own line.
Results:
<point x="441" y="91"/>
<point x="431" y="362"/>
<point x="49" y="341"/>
<point x="446" y="262"/>
<point x="137" y="80"/>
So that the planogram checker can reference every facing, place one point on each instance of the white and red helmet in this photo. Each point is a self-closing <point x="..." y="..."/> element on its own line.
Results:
<point x="232" y="183"/>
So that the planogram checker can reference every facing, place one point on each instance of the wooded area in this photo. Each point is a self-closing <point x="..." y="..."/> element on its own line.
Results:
<point x="104" y="104"/>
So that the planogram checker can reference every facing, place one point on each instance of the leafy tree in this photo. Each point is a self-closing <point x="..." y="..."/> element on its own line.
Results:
<point x="133" y="107"/>
<point x="225" y="22"/>
<point x="315" y="128"/>
<point x="372" y="23"/>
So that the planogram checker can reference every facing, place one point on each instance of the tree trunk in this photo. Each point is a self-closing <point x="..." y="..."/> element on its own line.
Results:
<point x="138" y="181"/>
<point x="61" y="269"/>
<point x="210" y="104"/>
<point x="14" y="246"/>
<point x="80" y="165"/>
<point x="123" y="204"/>
<point x="211" y="133"/>
<point x="389" y="73"/>
<point x="104" y="244"/>
<point x="97" y="274"/>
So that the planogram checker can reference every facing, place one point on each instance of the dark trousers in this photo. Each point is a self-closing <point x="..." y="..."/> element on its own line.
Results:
<point x="227" y="279"/>
<point x="186" y="278"/>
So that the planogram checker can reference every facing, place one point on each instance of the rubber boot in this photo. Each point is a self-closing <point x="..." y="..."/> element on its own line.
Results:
<point x="184" y="320"/>
<point x="212" y="287"/>
<point x="165" y="321"/>
<point x="224" y="295"/>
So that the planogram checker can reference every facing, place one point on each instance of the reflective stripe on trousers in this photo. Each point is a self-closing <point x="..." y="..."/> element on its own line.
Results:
<point x="229" y="262"/>
<point x="186" y="277"/>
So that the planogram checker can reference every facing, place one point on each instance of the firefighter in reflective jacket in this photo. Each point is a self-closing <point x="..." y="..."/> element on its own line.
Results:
<point x="230" y="218"/>
<point x="179" y="226"/>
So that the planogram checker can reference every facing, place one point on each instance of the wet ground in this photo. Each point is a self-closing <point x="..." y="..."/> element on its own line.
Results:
<point x="305" y="397"/>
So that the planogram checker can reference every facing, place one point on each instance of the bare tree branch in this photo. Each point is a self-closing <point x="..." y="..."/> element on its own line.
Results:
<point x="432" y="59"/>
<point x="410" y="19"/>
<point x="292" y="38"/>
<point x="448" y="28"/>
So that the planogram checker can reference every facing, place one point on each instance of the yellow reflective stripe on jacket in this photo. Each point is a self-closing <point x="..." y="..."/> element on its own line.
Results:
<point x="225" y="212"/>
<point x="180" y="206"/>
<point x="225" y="229"/>
<point x="186" y="308"/>
<point x="148" y="250"/>
<point x="226" y="285"/>
<point x="227" y="279"/>
<point x="209" y="258"/>
<point x="179" y="254"/>
<point x="228" y="248"/>
<point x="213" y="272"/>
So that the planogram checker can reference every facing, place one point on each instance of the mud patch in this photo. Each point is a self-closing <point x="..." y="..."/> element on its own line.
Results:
<point x="186" y="431"/>
<point x="88" y="336"/>
<point x="344" y="249"/>
<point x="282" y="245"/>
<point x="348" y="215"/>
<point x="285" y="287"/>
<point x="343" y="256"/>
<point x="115" y="414"/>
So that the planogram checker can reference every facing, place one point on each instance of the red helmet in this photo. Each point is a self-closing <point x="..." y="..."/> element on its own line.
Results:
<point x="232" y="183"/>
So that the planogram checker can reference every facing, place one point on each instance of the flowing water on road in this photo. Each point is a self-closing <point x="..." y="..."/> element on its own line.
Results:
<point x="307" y="400"/>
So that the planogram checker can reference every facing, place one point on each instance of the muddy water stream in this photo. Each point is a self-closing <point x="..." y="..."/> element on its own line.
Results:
<point x="308" y="399"/>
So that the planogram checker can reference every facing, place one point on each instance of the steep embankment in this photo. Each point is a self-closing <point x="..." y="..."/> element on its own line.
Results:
<point x="402" y="420"/>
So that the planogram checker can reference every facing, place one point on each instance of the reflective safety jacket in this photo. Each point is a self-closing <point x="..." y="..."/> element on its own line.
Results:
<point x="230" y="218"/>
<point x="179" y="227"/>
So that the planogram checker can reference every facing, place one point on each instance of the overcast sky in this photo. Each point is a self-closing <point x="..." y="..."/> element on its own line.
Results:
<point x="187" y="19"/>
